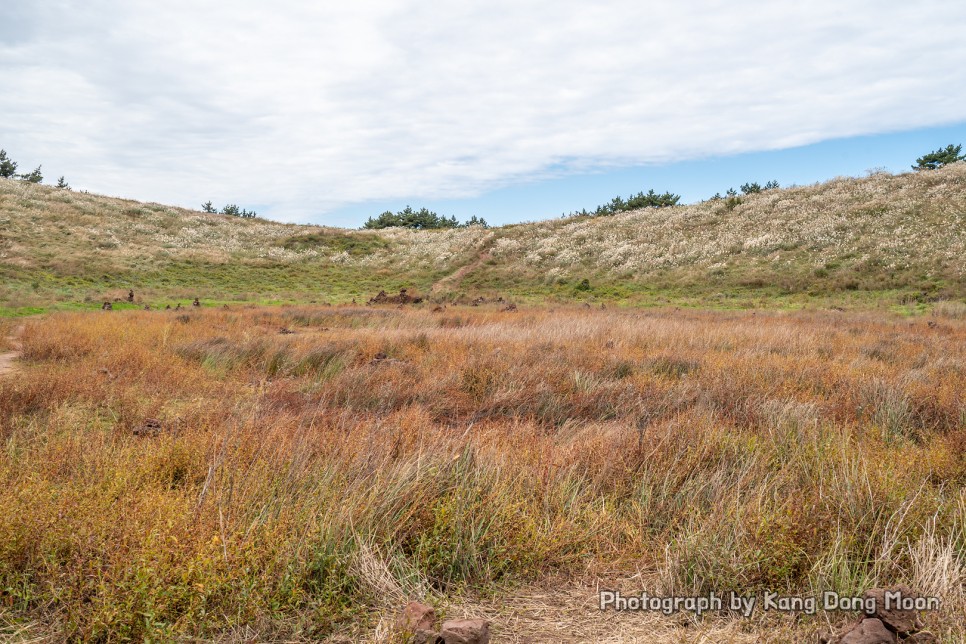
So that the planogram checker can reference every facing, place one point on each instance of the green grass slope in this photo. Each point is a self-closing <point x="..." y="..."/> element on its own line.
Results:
<point x="884" y="240"/>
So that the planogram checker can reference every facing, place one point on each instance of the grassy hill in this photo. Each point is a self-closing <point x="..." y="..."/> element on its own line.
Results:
<point x="893" y="240"/>
<point x="299" y="473"/>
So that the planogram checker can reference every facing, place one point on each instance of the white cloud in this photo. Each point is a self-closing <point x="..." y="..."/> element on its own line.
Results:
<point x="295" y="109"/>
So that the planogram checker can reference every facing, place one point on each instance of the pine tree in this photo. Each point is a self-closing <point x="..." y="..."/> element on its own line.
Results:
<point x="475" y="221"/>
<point x="208" y="207"/>
<point x="33" y="177"/>
<point x="8" y="167"/>
<point x="750" y="188"/>
<point x="62" y="183"/>
<point x="233" y="210"/>
<point x="939" y="158"/>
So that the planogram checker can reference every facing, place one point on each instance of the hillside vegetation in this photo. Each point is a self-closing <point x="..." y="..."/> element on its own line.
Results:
<point x="895" y="239"/>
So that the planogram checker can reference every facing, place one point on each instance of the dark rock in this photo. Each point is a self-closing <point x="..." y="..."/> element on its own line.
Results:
<point x="403" y="298"/>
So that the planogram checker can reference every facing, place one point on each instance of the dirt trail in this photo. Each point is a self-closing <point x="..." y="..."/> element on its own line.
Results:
<point x="8" y="358"/>
<point x="570" y="614"/>
<point x="454" y="278"/>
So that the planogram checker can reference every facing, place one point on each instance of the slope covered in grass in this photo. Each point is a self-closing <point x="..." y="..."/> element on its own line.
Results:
<point x="900" y="238"/>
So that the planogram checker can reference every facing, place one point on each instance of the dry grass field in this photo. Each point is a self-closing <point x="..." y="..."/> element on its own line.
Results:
<point x="297" y="473"/>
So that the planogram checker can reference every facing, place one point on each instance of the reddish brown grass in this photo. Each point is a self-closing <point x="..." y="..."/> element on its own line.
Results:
<point x="303" y="482"/>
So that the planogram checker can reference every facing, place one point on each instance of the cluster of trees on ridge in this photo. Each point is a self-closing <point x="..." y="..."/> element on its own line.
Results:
<point x="422" y="219"/>
<point x="751" y="188"/>
<point x="8" y="170"/>
<point x="229" y="209"/>
<point x="650" y="199"/>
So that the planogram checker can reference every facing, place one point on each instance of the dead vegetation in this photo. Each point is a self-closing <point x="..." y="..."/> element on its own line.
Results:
<point x="170" y="475"/>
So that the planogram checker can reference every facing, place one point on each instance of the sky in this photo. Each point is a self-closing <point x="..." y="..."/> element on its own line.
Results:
<point x="331" y="112"/>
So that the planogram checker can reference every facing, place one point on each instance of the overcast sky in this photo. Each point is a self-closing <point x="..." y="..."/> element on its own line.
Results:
<point x="303" y="110"/>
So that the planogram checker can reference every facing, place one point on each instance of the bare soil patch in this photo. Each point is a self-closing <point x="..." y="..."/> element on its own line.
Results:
<point x="8" y="359"/>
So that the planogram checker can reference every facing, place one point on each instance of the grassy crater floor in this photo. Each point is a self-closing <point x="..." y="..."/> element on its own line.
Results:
<point x="296" y="473"/>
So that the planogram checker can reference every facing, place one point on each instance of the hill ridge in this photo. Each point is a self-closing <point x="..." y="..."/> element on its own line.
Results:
<point x="902" y="236"/>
